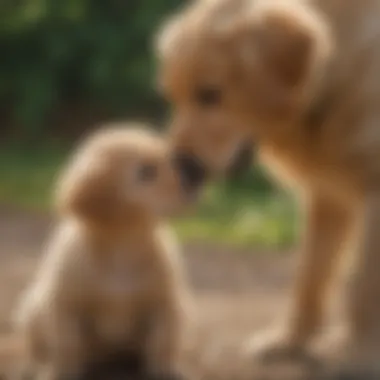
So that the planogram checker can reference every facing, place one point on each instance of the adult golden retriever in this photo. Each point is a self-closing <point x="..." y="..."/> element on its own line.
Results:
<point x="301" y="80"/>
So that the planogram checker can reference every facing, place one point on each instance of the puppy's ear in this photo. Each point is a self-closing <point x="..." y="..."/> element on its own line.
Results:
<point x="86" y="192"/>
<point x="290" y="41"/>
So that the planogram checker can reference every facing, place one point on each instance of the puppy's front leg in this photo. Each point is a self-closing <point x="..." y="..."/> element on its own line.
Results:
<point x="163" y="343"/>
<point x="327" y="224"/>
<point x="68" y="351"/>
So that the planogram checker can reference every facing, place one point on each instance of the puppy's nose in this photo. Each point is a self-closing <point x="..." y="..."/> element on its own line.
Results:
<point x="191" y="171"/>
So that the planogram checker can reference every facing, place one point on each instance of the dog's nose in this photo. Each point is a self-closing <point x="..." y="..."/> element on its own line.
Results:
<point x="191" y="171"/>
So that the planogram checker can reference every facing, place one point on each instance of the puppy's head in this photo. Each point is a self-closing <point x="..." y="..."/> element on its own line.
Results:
<point x="236" y="72"/>
<point x="119" y="174"/>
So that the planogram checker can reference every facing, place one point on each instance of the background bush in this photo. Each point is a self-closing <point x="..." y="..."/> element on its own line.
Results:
<point x="76" y="56"/>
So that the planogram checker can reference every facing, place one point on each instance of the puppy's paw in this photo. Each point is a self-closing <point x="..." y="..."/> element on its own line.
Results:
<point x="23" y="374"/>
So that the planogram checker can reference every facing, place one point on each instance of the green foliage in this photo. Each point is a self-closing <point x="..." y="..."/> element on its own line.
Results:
<point x="95" y="52"/>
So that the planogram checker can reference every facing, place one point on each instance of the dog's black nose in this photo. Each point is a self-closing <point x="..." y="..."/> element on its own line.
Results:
<point x="191" y="171"/>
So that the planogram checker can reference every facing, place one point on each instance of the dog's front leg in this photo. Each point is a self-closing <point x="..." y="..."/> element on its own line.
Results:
<point x="361" y="349"/>
<point x="326" y="226"/>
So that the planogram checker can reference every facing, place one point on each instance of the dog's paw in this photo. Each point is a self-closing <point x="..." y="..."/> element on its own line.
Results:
<point x="273" y="346"/>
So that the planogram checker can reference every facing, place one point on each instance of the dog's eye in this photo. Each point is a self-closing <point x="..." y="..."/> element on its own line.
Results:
<point x="147" y="172"/>
<point x="208" y="96"/>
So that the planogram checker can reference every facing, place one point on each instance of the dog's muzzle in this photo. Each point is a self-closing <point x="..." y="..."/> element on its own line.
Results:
<point x="191" y="171"/>
<point x="243" y="160"/>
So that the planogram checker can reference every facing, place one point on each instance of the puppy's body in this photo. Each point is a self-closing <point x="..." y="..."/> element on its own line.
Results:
<point x="111" y="282"/>
<point x="300" y="79"/>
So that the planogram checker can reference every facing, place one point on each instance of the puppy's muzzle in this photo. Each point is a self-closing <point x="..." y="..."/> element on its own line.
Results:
<point x="191" y="171"/>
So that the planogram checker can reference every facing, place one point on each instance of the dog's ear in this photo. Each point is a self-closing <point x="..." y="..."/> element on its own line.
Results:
<point x="289" y="41"/>
<point x="87" y="192"/>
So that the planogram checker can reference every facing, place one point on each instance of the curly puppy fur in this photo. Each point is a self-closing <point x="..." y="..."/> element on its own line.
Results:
<point x="299" y="79"/>
<point x="111" y="283"/>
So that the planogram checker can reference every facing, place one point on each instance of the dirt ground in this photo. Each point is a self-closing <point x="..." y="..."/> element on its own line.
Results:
<point x="237" y="292"/>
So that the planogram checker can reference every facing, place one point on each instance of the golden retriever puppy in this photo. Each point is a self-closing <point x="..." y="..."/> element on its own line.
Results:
<point x="111" y="283"/>
<point x="298" y="79"/>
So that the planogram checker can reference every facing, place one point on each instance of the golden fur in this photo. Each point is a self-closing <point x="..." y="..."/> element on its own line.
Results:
<point x="299" y="78"/>
<point x="111" y="281"/>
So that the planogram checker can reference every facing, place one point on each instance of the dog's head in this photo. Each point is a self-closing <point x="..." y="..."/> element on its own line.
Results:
<point x="237" y="72"/>
<point x="119" y="174"/>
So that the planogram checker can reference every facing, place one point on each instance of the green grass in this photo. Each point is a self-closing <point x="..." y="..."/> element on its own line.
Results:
<point x="27" y="177"/>
<point x="246" y="212"/>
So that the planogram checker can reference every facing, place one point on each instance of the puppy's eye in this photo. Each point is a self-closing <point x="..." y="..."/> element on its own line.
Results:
<point x="208" y="96"/>
<point x="147" y="172"/>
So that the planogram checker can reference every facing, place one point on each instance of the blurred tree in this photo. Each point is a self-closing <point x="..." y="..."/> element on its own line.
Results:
<point x="65" y="55"/>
